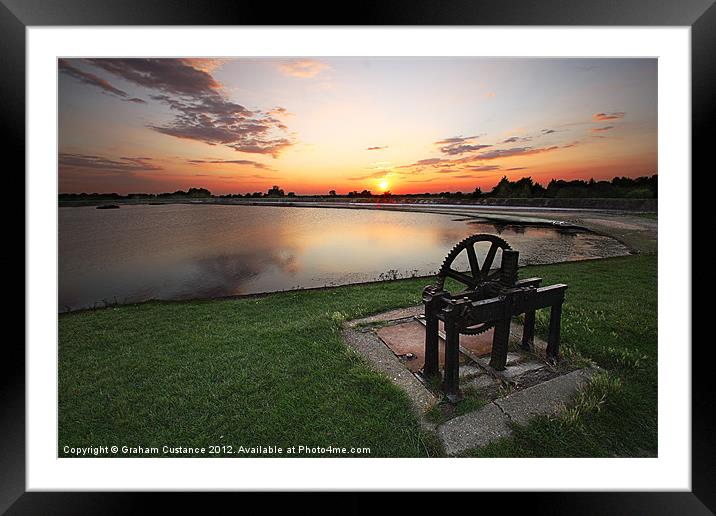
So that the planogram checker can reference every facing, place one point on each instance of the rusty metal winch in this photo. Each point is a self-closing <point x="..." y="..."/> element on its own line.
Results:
<point x="492" y="296"/>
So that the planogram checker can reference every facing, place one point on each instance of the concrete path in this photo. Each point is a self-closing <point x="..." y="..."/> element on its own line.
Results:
<point x="493" y="421"/>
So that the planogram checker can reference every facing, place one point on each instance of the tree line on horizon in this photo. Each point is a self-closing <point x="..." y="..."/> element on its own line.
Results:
<point x="645" y="187"/>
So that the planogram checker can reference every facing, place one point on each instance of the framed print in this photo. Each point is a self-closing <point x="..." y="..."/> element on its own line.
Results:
<point x="289" y="252"/>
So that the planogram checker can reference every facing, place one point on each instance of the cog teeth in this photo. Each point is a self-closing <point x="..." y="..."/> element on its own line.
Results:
<point x="457" y="248"/>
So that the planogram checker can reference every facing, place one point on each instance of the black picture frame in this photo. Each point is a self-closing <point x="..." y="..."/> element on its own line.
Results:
<point x="17" y="15"/>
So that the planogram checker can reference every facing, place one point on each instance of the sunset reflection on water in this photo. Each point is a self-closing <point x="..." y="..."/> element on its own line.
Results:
<point x="181" y="251"/>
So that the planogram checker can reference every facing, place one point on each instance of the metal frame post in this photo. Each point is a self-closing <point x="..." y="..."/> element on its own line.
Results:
<point x="432" y="354"/>
<point x="528" y="331"/>
<point x="501" y="339"/>
<point x="555" y="322"/>
<point x="451" y="377"/>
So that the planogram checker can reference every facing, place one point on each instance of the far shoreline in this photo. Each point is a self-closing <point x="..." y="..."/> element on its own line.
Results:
<point x="507" y="203"/>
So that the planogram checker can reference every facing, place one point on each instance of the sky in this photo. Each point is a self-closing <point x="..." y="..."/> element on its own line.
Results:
<point x="311" y="125"/>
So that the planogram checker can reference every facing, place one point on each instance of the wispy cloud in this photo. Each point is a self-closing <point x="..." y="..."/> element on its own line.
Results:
<point x="89" y="78"/>
<point x="515" y="139"/>
<point x="483" y="168"/>
<point x="516" y="151"/>
<point x="599" y="117"/>
<point x="456" y="150"/>
<point x="168" y="75"/>
<point x="303" y="68"/>
<point x="206" y="64"/>
<point x="101" y="163"/>
<point x="246" y="162"/>
<point x="280" y="111"/>
<point x="458" y="145"/>
<point x="456" y="139"/>
<point x="601" y="129"/>
<point x="377" y="148"/>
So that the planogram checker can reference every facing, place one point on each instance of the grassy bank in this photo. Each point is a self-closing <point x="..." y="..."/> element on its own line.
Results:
<point x="610" y="318"/>
<point x="274" y="371"/>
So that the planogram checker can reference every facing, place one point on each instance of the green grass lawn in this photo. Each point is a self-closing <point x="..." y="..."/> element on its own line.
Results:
<point x="274" y="371"/>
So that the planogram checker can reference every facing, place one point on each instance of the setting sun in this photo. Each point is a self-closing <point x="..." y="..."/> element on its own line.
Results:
<point x="383" y="184"/>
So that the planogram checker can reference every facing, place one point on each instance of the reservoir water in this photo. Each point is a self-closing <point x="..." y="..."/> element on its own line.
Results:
<point x="181" y="251"/>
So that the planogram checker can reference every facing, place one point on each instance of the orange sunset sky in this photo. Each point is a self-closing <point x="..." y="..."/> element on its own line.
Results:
<point x="312" y="125"/>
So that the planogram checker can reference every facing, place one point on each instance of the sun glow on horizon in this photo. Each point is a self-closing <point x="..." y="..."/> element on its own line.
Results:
<point x="240" y="125"/>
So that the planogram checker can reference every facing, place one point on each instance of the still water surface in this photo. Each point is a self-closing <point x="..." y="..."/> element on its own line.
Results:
<point x="183" y="251"/>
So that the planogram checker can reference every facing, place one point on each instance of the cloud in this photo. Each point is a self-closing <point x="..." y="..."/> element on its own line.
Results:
<point x="202" y="111"/>
<point x="168" y="75"/>
<point x="456" y="150"/>
<point x="459" y="145"/>
<point x="206" y="64"/>
<point x="262" y="176"/>
<point x="91" y="162"/>
<point x="473" y="176"/>
<point x="516" y="151"/>
<point x="515" y="168"/>
<point x="599" y="117"/>
<point x="436" y="163"/>
<point x="515" y="139"/>
<point x="303" y="68"/>
<point x="67" y="68"/>
<point x="426" y="162"/>
<point x="543" y="132"/>
<point x="377" y="148"/>
<point x="247" y="162"/>
<point x="600" y="129"/>
<point x="280" y="111"/>
<point x="456" y="139"/>
<point x="483" y="168"/>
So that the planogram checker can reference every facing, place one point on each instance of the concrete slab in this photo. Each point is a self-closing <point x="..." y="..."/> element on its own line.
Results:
<point x="544" y="398"/>
<point x="492" y="421"/>
<point x="481" y="382"/>
<point x="474" y="429"/>
<point x="518" y="365"/>
<point x="469" y="371"/>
